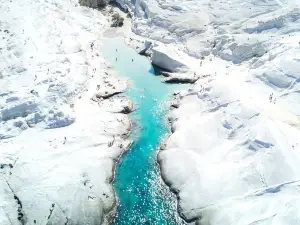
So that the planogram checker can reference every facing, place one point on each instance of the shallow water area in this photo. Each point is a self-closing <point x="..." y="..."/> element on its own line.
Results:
<point x="143" y="197"/>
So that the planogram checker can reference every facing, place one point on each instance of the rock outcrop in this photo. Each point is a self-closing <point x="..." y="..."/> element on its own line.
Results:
<point x="146" y="48"/>
<point x="181" y="78"/>
<point x="168" y="59"/>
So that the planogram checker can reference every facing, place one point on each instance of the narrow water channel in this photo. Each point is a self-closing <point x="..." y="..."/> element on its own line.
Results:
<point x="143" y="197"/>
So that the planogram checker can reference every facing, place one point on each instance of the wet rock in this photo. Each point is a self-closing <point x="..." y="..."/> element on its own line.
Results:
<point x="127" y="109"/>
<point x="181" y="80"/>
<point x="175" y="104"/>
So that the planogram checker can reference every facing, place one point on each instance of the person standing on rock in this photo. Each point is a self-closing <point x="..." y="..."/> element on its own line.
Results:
<point x="271" y="97"/>
<point x="65" y="140"/>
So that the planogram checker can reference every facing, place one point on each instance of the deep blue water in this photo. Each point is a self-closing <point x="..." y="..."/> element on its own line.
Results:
<point x="143" y="197"/>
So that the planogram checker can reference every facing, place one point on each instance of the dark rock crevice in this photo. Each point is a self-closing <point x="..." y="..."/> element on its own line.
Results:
<point x="179" y="80"/>
<point x="107" y="95"/>
<point x="51" y="211"/>
<point x="21" y="214"/>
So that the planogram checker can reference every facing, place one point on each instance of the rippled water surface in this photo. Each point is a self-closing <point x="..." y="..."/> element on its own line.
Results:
<point x="143" y="197"/>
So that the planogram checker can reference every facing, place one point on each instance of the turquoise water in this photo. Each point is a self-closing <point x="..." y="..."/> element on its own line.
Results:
<point x="143" y="197"/>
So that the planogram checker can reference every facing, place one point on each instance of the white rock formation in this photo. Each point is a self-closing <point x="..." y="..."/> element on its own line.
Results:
<point x="234" y="155"/>
<point x="228" y="143"/>
<point x="167" y="58"/>
<point x="58" y="148"/>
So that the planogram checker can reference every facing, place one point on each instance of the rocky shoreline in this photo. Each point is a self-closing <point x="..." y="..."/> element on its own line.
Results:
<point x="226" y="135"/>
<point x="137" y="43"/>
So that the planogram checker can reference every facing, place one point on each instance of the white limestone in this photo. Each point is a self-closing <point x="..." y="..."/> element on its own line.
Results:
<point x="58" y="147"/>
<point x="168" y="59"/>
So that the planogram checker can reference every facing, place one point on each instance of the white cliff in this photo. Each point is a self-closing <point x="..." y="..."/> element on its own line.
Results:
<point x="58" y="144"/>
<point x="168" y="59"/>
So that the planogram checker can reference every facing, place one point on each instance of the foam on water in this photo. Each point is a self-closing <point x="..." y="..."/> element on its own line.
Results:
<point x="143" y="197"/>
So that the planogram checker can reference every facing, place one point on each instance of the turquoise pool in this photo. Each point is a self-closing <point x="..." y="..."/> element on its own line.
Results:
<point x="143" y="197"/>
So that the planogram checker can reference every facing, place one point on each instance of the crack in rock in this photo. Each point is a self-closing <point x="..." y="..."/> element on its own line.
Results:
<point x="51" y="211"/>
<point x="66" y="223"/>
<point x="21" y="213"/>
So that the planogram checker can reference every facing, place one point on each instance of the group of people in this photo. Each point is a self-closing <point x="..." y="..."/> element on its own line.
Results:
<point x="272" y="98"/>
<point x="117" y="57"/>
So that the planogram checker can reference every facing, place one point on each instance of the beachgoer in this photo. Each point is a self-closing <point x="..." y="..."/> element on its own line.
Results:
<point x="65" y="140"/>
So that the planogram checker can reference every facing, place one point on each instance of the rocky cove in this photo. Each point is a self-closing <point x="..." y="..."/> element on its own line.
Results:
<point x="232" y="156"/>
<point x="64" y="121"/>
<point x="143" y="198"/>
